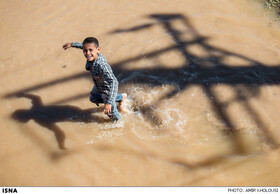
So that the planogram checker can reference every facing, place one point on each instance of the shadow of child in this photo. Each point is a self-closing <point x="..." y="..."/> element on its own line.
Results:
<point x="48" y="116"/>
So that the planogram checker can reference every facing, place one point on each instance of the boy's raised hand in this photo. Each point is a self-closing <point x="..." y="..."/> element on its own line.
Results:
<point x="66" y="46"/>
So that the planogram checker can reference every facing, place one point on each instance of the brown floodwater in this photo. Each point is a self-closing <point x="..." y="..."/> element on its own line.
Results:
<point x="202" y="79"/>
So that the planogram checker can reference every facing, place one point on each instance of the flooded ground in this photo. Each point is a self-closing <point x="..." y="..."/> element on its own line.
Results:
<point x="202" y="79"/>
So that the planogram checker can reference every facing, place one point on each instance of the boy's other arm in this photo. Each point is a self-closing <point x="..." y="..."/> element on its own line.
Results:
<point x="113" y="84"/>
<point x="73" y="44"/>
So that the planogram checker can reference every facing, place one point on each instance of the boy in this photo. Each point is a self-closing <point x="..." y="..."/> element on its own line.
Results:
<point x="106" y="84"/>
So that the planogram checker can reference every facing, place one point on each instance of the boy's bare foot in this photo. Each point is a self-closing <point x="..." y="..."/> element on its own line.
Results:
<point x="124" y="95"/>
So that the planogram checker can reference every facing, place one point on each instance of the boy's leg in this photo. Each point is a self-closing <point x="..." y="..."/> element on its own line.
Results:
<point x="115" y="114"/>
<point x="95" y="97"/>
<point x="119" y="97"/>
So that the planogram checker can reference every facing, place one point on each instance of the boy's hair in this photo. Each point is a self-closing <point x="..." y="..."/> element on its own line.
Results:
<point x="91" y="40"/>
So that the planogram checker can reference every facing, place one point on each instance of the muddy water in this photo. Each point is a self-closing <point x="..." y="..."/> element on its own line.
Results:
<point x="203" y="86"/>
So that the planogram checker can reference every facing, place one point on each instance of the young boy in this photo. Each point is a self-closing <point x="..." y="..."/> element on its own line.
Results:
<point x="106" y="84"/>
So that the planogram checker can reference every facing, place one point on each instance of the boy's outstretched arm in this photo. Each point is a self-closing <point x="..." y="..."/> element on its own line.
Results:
<point x="73" y="44"/>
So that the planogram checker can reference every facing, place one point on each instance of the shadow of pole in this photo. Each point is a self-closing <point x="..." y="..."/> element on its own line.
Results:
<point x="254" y="73"/>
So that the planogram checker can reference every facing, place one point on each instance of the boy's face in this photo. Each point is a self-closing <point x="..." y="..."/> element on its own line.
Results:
<point x="91" y="51"/>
